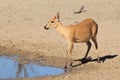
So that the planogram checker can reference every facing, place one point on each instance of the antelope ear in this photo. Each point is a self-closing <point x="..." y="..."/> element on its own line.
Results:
<point x="55" y="17"/>
<point x="58" y="15"/>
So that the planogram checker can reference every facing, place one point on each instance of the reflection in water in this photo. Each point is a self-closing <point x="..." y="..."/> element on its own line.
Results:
<point x="11" y="68"/>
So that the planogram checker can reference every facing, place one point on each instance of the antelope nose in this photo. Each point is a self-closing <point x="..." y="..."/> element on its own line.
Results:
<point x="46" y="28"/>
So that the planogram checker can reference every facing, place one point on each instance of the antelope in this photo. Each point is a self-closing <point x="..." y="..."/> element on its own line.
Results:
<point x="78" y="33"/>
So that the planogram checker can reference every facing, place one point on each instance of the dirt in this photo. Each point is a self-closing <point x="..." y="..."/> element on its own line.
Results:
<point x="22" y="32"/>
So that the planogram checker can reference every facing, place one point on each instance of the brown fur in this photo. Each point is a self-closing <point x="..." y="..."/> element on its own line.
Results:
<point x="79" y="33"/>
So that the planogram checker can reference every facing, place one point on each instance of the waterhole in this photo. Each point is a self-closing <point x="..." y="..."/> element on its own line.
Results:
<point x="10" y="67"/>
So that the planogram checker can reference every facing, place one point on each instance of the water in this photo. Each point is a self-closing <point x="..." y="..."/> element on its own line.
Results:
<point x="11" y="68"/>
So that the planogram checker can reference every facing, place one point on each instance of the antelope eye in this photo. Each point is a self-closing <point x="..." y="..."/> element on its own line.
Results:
<point x="52" y="21"/>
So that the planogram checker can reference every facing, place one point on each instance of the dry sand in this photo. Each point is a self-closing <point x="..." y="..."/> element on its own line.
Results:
<point x="22" y="32"/>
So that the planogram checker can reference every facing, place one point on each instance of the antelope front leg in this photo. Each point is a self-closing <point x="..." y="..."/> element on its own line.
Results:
<point x="69" y="56"/>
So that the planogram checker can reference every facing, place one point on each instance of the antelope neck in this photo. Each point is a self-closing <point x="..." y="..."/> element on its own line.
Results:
<point x="60" y="29"/>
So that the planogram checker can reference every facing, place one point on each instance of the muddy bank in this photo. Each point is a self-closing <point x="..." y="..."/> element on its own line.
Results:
<point x="78" y="72"/>
<point x="11" y="50"/>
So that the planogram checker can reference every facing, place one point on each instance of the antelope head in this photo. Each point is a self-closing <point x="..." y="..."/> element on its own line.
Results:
<point x="53" y="23"/>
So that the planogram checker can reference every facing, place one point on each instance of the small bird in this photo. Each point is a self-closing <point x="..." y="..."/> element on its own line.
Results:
<point x="81" y="10"/>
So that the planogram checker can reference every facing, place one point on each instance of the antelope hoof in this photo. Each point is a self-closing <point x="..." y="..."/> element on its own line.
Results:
<point x="66" y="69"/>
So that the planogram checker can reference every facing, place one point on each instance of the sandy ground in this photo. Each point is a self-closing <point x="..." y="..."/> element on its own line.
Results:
<point x="22" y="32"/>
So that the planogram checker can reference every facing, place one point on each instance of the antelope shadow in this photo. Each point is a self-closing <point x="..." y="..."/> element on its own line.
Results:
<point x="89" y="59"/>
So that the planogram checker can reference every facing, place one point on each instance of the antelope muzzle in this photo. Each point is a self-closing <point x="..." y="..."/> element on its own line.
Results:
<point x="45" y="27"/>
